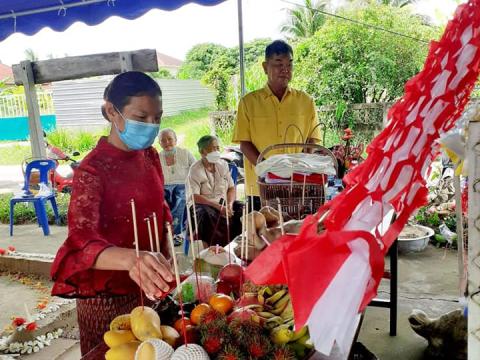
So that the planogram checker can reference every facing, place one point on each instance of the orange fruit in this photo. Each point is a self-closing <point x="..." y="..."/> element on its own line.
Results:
<point x="222" y="303"/>
<point x="197" y="313"/>
<point x="181" y="323"/>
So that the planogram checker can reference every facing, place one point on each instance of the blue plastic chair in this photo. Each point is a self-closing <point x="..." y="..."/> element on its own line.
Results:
<point x="43" y="166"/>
<point x="234" y="173"/>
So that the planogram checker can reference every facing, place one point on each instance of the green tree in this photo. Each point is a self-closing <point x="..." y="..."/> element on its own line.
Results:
<point x="161" y="74"/>
<point x="218" y="79"/>
<point x="353" y="63"/>
<point x="304" y="20"/>
<point x="199" y="60"/>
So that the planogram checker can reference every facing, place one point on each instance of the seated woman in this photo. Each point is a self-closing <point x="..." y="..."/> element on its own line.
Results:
<point x="176" y="162"/>
<point x="97" y="264"/>
<point x="214" y="194"/>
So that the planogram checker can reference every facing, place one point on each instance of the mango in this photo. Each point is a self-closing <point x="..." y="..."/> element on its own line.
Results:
<point x="121" y="322"/>
<point x="118" y="337"/>
<point x="123" y="352"/>
<point x="145" y="323"/>
<point x="170" y="335"/>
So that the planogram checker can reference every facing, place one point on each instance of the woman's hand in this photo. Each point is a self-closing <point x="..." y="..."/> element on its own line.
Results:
<point x="152" y="272"/>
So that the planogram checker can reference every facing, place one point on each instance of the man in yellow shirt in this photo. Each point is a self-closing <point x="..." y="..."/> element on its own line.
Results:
<point x="265" y="114"/>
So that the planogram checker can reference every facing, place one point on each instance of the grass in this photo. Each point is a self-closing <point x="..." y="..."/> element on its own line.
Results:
<point x="14" y="154"/>
<point x="189" y="126"/>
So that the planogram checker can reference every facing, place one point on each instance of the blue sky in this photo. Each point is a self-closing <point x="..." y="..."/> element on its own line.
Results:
<point x="173" y="33"/>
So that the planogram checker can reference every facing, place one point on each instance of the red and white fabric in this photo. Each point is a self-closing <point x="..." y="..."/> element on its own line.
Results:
<point x="333" y="276"/>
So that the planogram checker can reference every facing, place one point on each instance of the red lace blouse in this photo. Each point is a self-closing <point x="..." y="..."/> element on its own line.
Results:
<point x="100" y="216"/>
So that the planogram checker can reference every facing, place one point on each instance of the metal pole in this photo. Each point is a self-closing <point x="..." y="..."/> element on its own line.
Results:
<point x="459" y="218"/>
<point x="240" y="47"/>
<point x="34" y="125"/>
<point x="473" y="161"/>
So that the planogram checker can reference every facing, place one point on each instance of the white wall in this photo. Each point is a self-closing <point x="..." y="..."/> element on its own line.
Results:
<point x="77" y="102"/>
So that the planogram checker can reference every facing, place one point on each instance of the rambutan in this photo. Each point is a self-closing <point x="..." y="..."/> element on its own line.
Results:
<point x="258" y="346"/>
<point x="231" y="353"/>
<point x="282" y="353"/>
<point x="212" y="343"/>
<point x="213" y="316"/>
<point x="245" y="328"/>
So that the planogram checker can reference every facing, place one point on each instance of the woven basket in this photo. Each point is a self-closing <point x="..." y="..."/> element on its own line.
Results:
<point x="297" y="199"/>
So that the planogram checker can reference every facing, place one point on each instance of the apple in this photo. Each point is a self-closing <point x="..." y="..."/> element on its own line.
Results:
<point x="224" y="287"/>
<point x="231" y="273"/>
<point x="242" y="315"/>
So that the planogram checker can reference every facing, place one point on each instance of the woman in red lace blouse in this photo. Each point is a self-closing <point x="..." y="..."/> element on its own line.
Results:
<point x="97" y="263"/>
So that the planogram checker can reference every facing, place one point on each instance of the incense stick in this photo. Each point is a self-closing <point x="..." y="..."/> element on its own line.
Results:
<point x="242" y="241"/>
<point x="245" y="253"/>
<point x="265" y="240"/>
<point x="280" y="214"/>
<point x="135" y="234"/>
<point x="291" y="180"/>
<point x="195" y="220"/>
<point x="150" y="237"/>
<point x="254" y="229"/>
<point x="155" y="227"/>
<point x="135" y="231"/>
<point x="303" y="190"/>
<point x="228" y="224"/>
<point x="190" y="230"/>
<point x="174" y="257"/>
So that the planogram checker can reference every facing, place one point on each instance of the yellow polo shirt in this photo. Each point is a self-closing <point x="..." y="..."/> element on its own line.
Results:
<point x="263" y="120"/>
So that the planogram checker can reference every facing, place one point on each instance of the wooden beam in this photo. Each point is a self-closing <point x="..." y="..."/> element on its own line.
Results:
<point x="77" y="67"/>
<point x="34" y="126"/>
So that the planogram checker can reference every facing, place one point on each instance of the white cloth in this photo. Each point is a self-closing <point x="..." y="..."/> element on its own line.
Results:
<point x="176" y="173"/>
<point x="284" y="165"/>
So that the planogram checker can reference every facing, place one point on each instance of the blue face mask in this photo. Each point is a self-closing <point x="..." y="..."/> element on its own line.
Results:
<point x="137" y="135"/>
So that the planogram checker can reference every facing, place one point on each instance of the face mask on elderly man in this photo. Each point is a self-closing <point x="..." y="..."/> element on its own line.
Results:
<point x="213" y="157"/>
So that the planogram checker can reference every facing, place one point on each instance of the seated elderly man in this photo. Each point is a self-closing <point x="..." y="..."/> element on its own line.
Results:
<point x="214" y="194"/>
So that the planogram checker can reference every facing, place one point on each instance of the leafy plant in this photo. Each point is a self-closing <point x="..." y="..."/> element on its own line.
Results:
<point x="24" y="213"/>
<point x="358" y="64"/>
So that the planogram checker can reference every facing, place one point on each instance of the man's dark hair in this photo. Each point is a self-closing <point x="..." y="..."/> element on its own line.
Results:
<point x="278" y="47"/>
<point x="205" y="141"/>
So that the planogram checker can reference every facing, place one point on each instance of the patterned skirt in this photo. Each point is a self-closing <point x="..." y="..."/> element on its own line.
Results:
<point x="95" y="314"/>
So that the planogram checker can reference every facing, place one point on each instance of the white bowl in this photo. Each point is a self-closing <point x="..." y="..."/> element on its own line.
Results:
<point x="406" y="245"/>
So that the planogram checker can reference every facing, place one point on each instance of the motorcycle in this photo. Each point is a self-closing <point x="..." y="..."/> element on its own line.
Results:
<point x="233" y="154"/>
<point x="62" y="177"/>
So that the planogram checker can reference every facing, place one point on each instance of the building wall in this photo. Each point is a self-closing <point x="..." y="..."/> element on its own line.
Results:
<point x="77" y="103"/>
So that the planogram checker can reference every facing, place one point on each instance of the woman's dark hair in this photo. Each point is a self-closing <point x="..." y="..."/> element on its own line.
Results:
<point x="127" y="85"/>
<point x="278" y="47"/>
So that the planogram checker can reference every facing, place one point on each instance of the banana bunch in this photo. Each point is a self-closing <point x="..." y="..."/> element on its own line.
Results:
<point x="277" y="316"/>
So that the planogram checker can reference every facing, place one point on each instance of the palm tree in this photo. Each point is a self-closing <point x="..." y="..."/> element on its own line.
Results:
<point x="304" y="20"/>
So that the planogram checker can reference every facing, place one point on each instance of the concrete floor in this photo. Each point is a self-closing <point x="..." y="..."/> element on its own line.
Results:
<point x="11" y="178"/>
<point x="427" y="281"/>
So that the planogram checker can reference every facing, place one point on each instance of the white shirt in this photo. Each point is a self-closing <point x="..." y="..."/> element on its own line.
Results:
<point x="213" y="186"/>
<point x="176" y="173"/>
